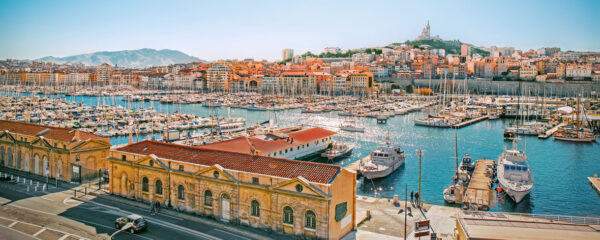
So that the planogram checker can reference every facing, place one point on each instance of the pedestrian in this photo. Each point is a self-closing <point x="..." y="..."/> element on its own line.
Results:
<point x="417" y="200"/>
<point x="412" y="193"/>
<point x="157" y="207"/>
<point x="152" y="208"/>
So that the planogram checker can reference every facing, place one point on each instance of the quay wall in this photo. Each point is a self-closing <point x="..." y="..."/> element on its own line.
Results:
<point x="558" y="89"/>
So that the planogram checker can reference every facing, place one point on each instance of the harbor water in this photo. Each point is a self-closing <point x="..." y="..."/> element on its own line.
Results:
<point x="560" y="168"/>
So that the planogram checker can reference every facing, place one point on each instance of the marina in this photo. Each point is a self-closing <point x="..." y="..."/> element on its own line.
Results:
<point x="549" y="159"/>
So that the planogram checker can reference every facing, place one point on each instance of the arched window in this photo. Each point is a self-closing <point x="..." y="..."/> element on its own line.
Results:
<point x="27" y="162"/>
<point x="158" y="187"/>
<point x="59" y="168"/>
<point x="288" y="215"/>
<point x="180" y="192"/>
<point x="310" y="220"/>
<point x="2" y="156"/>
<point x="19" y="159"/>
<point x="36" y="168"/>
<point x="45" y="169"/>
<point x="208" y="198"/>
<point x="255" y="208"/>
<point x="145" y="184"/>
<point x="9" y="156"/>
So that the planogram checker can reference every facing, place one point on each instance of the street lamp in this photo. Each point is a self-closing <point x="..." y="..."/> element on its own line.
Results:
<point x="420" y="153"/>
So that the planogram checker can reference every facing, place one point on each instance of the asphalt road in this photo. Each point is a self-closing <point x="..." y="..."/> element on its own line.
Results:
<point x="99" y="215"/>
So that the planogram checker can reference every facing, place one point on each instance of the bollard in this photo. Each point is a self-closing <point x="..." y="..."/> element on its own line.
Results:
<point x="44" y="187"/>
<point x="24" y="181"/>
<point x="75" y="193"/>
<point x="18" y="179"/>
<point x="85" y="189"/>
<point x="27" y="188"/>
<point x="30" y="182"/>
<point x="35" y="189"/>
<point x="11" y="177"/>
<point x="37" y="184"/>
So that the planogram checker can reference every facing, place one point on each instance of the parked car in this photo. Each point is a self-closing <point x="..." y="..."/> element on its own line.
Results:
<point x="139" y="223"/>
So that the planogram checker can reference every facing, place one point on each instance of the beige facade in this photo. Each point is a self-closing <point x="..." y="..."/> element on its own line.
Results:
<point x="60" y="153"/>
<point x="258" y="191"/>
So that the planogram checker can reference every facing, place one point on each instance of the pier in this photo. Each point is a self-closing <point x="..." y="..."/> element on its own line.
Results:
<point x="595" y="182"/>
<point x="551" y="131"/>
<point x="474" y="120"/>
<point x="479" y="193"/>
<point x="354" y="166"/>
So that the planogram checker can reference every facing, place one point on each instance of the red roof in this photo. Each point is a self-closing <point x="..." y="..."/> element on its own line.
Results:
<point x="310" y="134"/>
<point x="56" y="133"/>
<point x="242" y="144"/>
<point x="314" y="172"/>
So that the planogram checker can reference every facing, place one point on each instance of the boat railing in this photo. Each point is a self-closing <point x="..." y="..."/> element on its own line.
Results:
<point x="529" y="217"/>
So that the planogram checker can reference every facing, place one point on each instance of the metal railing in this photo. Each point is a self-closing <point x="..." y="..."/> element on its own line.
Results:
<point x="532" y="217"/>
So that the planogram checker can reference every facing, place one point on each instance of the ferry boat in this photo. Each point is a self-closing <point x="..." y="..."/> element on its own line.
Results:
<point x="338" y="150"/>
<point x="382" y="162"/>
<point x="514" y="175"/>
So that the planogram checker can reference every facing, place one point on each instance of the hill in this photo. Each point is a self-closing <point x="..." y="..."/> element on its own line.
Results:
<point x="140" y="58"/>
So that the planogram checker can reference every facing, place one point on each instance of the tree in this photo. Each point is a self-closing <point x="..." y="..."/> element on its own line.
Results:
<point x="395" y="86"/>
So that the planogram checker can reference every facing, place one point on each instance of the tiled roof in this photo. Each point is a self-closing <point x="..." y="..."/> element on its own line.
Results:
<point x="314" y="172"/>
<point x="55" y="133"/>
<point x="242" y="144"/>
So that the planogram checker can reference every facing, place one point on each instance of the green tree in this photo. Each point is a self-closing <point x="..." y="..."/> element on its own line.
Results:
<point x="408" y="88"/>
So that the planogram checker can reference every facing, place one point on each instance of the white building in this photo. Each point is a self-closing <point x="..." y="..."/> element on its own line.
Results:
<point x="333" y="50"/>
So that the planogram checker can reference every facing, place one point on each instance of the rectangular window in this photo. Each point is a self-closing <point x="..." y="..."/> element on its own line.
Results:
<point x="181" y="168"/>
<point x="123" y="158"/>
<point x="254" y="180"/>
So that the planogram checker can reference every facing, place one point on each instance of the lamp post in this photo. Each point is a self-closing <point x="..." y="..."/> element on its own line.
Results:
<point x="420" y="153"/>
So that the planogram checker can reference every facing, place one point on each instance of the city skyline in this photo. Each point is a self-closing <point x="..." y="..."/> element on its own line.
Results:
<point x="213" y="31"/>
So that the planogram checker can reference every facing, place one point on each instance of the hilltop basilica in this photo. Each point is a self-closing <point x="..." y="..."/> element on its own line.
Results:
<point x="426" y="34"/>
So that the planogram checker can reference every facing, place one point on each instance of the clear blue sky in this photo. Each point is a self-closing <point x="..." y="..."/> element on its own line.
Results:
<point x="261" y="29"/>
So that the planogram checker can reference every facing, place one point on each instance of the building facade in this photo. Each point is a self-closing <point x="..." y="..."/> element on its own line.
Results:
<point x="61" y="153"/>
<point x="219" y="76"/>
<point x="293" y="197"/>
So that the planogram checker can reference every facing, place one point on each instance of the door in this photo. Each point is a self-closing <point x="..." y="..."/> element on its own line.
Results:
<point x="75" y="173"/>
<point x="36" y="165"/>
<point x="225" y="207"/>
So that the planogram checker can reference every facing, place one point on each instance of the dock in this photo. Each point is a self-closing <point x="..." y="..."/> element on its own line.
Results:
<point x="551" y="131"/>
<point x="479" y="193"/>
<point x="595" y="182"/>
<point x="354" y="166"/>
<point x="467" y="123"/>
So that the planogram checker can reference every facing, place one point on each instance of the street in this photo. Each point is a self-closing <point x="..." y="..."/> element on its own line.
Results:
<point x="54" y="209"/>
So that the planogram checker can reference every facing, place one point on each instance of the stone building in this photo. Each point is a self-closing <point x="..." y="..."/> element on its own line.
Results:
<point x="60" y="153"/>
<point x="293" y="197"/>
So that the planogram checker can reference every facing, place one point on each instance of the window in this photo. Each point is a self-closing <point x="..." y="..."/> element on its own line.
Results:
<point x="216" y="174"/>
<point x="254" y="180"/>
<point x="145" y="184"/>
<point x="181" y="168"/>
<point x="288" y="215"/>
<point x="207" y="198"/>
<point x="299" y="188"/>
<point x="151" y="163"/>
<point x="311" y="220"/>
<point x="158" y="187"/>
<point x="123" y="158"/>
<point x="180" y="192"/>
<point x="255" y="209"/>
<point x="19" y="159"/>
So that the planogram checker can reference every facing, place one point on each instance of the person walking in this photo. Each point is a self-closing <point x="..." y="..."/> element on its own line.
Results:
<point x="417" y="200"/>
<point x="157" y="207"/>
<point x="412" y="194"/>
<point x="152" y="204"/>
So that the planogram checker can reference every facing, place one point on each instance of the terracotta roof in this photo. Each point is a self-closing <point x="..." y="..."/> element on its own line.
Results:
<point x="310" y="134"/>
<point x="56" y="133"/>
<point x="242" y="144"/>
<point x="314" y="172"/>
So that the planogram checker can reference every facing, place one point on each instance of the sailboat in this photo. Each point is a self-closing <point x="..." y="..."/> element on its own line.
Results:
<point x="575" y="133"/>
<point x="462" y="174"/>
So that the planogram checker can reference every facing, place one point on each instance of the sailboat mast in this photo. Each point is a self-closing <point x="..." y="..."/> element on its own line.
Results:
<point x="455" y="150"/>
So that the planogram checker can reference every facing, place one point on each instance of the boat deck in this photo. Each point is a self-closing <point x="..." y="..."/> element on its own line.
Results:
<point x="595" y="182"/>
<point x="479" y="192"/>
<point x="354" y="166"/>
<point x="551" y="131"/>
<point x="467" y="123"/>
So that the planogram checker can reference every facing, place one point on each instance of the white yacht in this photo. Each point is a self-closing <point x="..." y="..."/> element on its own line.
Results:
<point x="461" y="178"/>
<point x="382" y="162"/>
<point x="351" y="126"/>
<point x="514" y="175"/>
<point x="338" y="150"/>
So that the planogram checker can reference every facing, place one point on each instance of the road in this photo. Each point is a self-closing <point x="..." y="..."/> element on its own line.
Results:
<point x="94" y="219"/>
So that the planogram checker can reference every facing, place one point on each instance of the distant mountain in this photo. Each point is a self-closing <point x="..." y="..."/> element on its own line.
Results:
<point x="451" y="47"/>
<point x="140" y="58"/>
